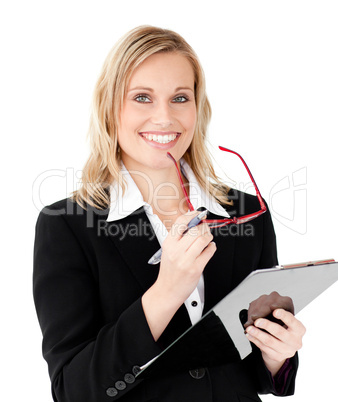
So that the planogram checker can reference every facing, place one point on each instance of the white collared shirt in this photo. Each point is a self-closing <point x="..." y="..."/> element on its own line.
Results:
<point x="122" y="206"/>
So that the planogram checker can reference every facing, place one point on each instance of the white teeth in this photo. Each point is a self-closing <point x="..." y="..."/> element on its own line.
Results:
<point x="161" y="139"/>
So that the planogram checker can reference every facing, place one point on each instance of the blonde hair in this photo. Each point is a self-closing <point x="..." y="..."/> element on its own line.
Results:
<point x="103" y="165"/>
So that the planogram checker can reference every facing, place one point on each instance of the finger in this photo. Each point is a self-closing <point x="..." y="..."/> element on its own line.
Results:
<point x="274" y="329"/>
<point x="273" y="354"/>
<point x="290" y="340"/>
<point x="192" y="234"/>
<point x="196" y="245"/>
<point x="202" y="227"/>
<point x="206" y="254"/>
<point x="181" y="224"/>
<point x="290" y="320"/>
<point x="266" y="341"/>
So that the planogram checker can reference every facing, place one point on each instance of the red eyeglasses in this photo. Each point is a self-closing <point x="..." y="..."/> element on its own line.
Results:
<point x="226" y="221"/>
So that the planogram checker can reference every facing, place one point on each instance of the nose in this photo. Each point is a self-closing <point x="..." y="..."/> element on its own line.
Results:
<point x="162" y="115"/>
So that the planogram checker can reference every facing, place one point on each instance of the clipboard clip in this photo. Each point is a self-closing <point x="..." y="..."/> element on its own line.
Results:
<point x="307" y="264"/>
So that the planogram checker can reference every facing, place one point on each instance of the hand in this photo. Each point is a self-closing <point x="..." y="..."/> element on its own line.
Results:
<point x="182" y="263"/>
<point x="184" y="257"/>
<point x="280" y="343"/>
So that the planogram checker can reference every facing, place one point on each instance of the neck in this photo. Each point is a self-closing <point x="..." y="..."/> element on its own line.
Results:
<point x="161" y="188"/>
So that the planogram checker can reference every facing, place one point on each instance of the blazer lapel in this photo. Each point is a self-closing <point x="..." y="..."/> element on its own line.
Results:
<point x="136" y="241"/>
<point x="218" y="272"/>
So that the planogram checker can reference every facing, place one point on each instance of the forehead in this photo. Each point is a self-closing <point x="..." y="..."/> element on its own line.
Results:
<point x="163" y="69"/>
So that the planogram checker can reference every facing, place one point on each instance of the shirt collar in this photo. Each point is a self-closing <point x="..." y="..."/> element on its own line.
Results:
<point x="123" y="206"/>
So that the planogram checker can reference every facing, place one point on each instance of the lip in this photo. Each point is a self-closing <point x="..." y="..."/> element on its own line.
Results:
<point x="160" y="132"/>
<point x="157" y="144"/>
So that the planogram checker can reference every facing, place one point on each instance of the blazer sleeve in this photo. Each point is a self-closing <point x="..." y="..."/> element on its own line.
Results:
<point x="254" y="362"/>
<point x="86" y="360"/>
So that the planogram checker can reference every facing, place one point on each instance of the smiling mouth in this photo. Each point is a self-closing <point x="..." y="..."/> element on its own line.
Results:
<point x="160" y="138"/>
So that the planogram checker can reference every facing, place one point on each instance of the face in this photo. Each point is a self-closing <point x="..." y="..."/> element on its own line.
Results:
<point x="159" y="112"/>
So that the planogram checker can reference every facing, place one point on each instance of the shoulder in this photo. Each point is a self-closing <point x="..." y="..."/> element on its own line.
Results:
<point x="67" y="213"/>
<point x="70" y="210"/>
<point x="66" y="232"/>
<point x="60" y="207"/>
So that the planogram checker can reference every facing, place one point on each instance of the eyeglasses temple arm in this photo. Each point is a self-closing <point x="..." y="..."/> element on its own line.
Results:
<point x="191" y="208"/>
<point x="260" y="199"/>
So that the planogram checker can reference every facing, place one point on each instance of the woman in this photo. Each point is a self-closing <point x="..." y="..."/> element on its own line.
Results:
<point x="103" y="310"/>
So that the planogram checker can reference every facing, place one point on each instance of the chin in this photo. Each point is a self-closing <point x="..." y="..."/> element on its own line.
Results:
<point x="160" y="162"/>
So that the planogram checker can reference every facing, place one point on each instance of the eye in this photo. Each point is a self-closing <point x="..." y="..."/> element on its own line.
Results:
<point x="181" y="99"/>
<point x="142" y="98"/>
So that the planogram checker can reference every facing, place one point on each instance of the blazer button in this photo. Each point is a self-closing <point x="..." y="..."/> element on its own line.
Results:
<point x="129" y="378"/>
<point x="120" y="385"/>
<point x="197" y="373"/>
<point x="136" y="369"/>
<point x="111" y="392"/>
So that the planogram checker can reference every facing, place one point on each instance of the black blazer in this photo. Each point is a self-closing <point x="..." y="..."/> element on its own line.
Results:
<point x="89" y="277"/>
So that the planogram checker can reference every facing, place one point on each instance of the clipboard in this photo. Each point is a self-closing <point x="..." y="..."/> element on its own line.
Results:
<point x="218" y="337"/>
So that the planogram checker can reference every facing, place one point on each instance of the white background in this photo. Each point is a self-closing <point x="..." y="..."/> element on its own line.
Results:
<point x="271" y="69"/>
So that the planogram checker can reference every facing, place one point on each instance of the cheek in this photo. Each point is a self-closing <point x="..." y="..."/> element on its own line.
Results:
<point x="190" y="120"/>
<point x="128" y="118"/>
<point x="130" y="122"/>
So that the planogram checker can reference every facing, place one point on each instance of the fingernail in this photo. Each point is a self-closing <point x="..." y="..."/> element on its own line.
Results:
<point x="249" y="329"/>
<point x="258" y="323"/>
<point x="278" y="313"/>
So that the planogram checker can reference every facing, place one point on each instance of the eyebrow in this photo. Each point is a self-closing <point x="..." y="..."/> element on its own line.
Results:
<point x="151" y="89"/>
